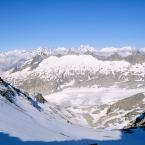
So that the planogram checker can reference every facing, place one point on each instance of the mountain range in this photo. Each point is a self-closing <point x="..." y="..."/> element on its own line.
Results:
<point x="75" y="88"/>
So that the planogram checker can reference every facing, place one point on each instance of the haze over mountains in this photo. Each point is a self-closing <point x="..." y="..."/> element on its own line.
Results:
<point x="16" y="57"/>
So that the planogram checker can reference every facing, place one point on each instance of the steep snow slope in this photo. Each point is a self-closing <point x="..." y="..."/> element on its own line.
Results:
<point x="22" y="117"/>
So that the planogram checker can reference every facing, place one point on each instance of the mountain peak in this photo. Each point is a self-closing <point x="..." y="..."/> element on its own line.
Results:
<point x="86" y="48"/>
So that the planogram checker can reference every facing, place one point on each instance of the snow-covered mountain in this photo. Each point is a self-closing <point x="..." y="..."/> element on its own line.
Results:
<point x="12" y="59"/>
<point x="58" y="67"/>
<point x="92" y="85"/>
<point x="16" y="58"/>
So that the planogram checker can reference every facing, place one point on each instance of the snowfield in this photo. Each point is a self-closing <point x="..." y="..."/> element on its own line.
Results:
<point x="91" y="96"/>
<point x="88" y="105"/>
<point x="29" y="124"/>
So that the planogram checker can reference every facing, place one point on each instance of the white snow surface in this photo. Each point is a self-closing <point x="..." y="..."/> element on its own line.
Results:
<point x="16" y="58"/>
<point x="29" y="124"/>
<point x="86" y="96"/>
<point x="81" y="101"/>
<point x="12" y="59"/>
<point x="54" y="66"/>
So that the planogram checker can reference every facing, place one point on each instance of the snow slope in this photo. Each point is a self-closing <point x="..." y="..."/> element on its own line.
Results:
<point x="24" y="118"/>
<point x="25" y="121"/>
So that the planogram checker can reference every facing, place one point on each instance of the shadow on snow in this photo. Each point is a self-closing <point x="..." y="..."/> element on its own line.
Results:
<point x="129" y="137"/>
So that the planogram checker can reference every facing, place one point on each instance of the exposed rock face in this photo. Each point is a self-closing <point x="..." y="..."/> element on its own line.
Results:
<point x="12" y="94"/>
<point x="40" y="98"/>
<point x="128" y="103"/>
<point x="6" y="91"/>
<point x="139" y="121"/>
<point x="124" y="111"/>
<point x="1" y="80"/>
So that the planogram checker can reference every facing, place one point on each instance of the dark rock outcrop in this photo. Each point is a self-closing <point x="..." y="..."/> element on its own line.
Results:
<point x="40" y="98"/>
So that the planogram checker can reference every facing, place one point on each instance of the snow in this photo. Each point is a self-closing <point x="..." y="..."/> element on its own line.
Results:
<point x="85" y="96"/>
<point x="123" y="51"/>
<point x="12" y="59"/>
<point x="29" y="124"/>
<point x="39" y="130"/>
<point x="86" y="48"/>
<point x="49" y="123"/>
<point x="54" y="67"/>
<point x="81" y="62"/>
<point x="144" y="100"/>
<point x="16" y="58"/>
<point x="84" y="100"/>
<point x="69" y="64"/>
<point x="31" y="121"/>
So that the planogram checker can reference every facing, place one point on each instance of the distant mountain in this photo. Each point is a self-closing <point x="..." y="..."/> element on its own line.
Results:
<point x="12" y="59"/>
<point x="17" y="57"/>
<point x="84" y="66"/>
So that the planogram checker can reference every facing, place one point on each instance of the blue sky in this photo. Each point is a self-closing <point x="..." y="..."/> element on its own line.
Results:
<point x="26" y="24"/>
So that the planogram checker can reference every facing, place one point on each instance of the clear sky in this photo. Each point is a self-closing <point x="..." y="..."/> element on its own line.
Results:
<point x="26" y="24"/>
